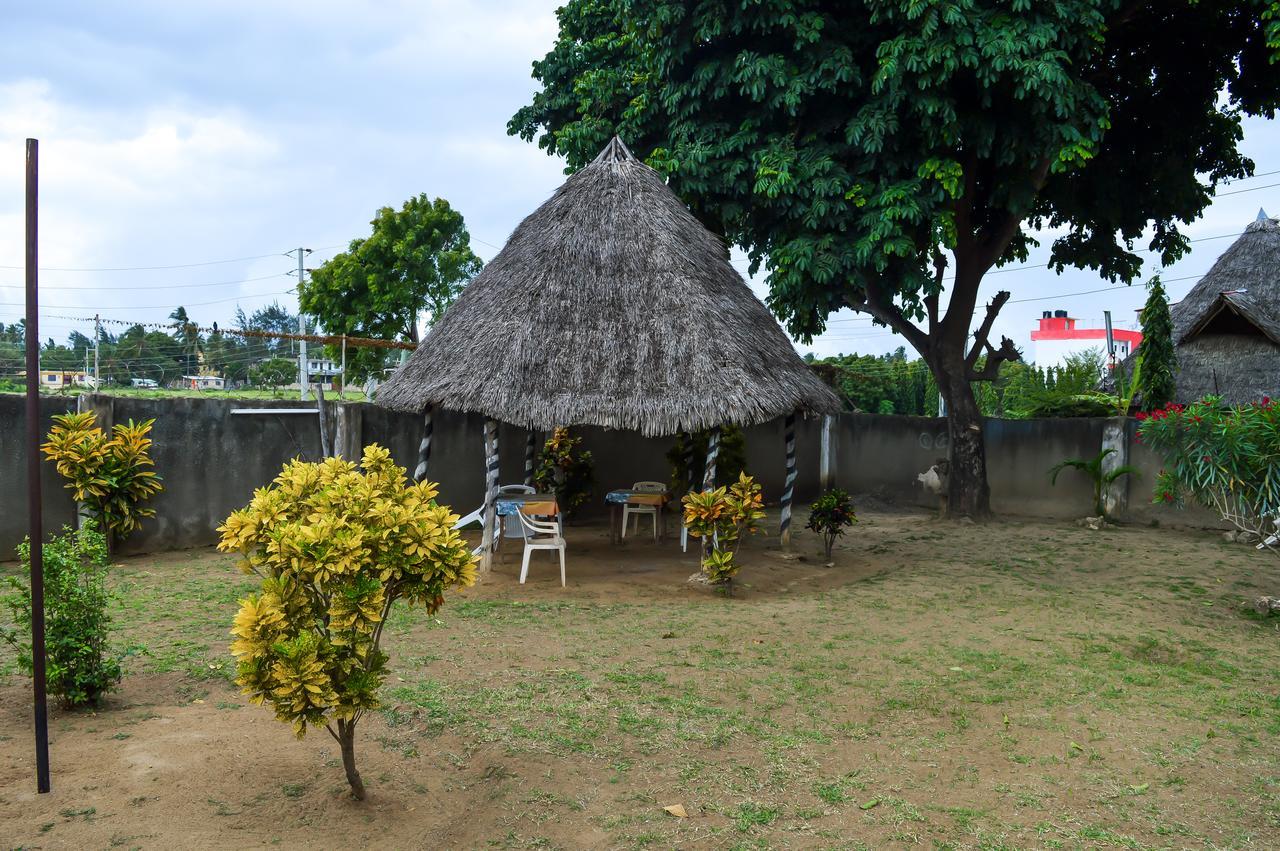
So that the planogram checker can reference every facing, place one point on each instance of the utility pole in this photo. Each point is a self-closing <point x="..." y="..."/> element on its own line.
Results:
<point x="303" y="377"/>
<point x="97" y="336"/>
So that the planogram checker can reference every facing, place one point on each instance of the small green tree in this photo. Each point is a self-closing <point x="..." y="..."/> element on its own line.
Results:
<point x="335" y="549"/>
<point x="109" y="475"/>
<point x="1156" y="380"/>
<point x="273" y="373"/>
<point x="720" y="518"/>
<point x="566" y="470"/>
<point x="416" y="259"/>
<point x="830" y="516"/>
<point x="80" y="665"/>
<point x="1093" y="469"/>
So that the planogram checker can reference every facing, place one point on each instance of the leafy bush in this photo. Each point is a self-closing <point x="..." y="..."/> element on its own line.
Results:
<point x="273" y="373"/>
<point x="721" y="517"/>
<point x="565" y="470"/>
<point x="107" y="474"/>
<point x="1093" y="469"/>
<point x="80" y="667"/>
<point x="335" y="548"/>
<point x="830" y="516"/>
<point x="731" y="458"/>
<point x="1227" y="459"/>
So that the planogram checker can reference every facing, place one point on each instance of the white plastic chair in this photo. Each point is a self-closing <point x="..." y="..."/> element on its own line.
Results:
<point x="540" y="535"/>
<point x="511" y="527"/>
<point x="638" y="511"/>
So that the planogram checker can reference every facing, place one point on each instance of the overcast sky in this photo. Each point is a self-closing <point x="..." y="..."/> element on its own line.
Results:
<point x="200" y="132"/>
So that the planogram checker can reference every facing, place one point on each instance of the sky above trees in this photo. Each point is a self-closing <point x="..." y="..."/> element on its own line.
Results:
<point x="183" y="134"/>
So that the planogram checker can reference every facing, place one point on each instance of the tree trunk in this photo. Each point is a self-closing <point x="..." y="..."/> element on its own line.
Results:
<point x="347" y="740"/>
<point x="968" y="494"/>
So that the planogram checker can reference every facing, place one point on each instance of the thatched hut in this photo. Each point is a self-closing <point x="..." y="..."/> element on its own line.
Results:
<point x="610" y="305"/>
<point x="1226" y="332"/>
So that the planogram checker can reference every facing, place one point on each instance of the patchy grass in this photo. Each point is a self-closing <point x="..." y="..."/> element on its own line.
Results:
<point x="1012" y="686"/>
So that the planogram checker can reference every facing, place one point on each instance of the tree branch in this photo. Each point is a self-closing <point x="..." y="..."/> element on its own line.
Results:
<point x="874" y="303"/>
<point x="984" y="330"/>
<point x="991" y="369"/>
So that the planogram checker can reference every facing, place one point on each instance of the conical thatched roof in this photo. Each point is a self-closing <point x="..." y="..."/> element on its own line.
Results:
<point x="610" y="305"/>
<point x="1227" y="329"/>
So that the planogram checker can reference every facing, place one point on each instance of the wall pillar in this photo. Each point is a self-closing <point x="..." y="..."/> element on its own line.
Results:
<point x="1115" y="435"/>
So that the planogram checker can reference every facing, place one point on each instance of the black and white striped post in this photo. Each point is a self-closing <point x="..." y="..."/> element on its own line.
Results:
<point x="789" y="484"/>
<point x="709" y="476"/>
<point x="424" y="448"/>
<point x="530" y="445"/>
<point x="713" y="449"/>
<point x="691" y="483"/>
<point x="489" y="534"/>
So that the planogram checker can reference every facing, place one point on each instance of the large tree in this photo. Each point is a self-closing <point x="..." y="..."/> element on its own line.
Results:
<point x="417" y="259"/>
<point x="881" y="154"/>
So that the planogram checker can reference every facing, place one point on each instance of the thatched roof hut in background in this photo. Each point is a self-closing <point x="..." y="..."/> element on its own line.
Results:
<point x="610" y="305"/>
<point x="1226" y="332"/>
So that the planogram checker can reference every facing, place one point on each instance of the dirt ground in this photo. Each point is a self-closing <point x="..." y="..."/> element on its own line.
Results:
<point x="1023" y="684"/>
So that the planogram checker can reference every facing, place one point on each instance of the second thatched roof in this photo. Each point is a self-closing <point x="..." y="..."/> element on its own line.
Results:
<point x="610" y="305"/>
<point x="1226" y="331"/>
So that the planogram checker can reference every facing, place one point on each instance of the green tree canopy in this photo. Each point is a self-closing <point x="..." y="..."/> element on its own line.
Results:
<point x="416" y="259"/>
<point x="859" y="150"/>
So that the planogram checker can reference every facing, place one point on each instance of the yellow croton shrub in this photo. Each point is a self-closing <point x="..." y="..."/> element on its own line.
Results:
<point x="721" y="517"/>
<point x="336" y="546"/>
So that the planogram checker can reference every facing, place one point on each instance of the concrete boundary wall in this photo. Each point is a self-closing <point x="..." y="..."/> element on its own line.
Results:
<point x="212" y="460"/>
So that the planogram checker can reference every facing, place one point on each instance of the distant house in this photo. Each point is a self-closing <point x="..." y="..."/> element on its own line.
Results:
<point x="203" y="382"/>
<point x="56" y="379"/>
<point x="319" y="369"/>
<point x="1226" y="332"/>
<point x="1059" y="337"/>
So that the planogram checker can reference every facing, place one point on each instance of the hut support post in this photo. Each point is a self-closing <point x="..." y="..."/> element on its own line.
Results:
<point x="789" y="483"/>
<point x="709" y="476"/>
<point x="424" y="448"/>
<point x="489" y="534"/>
<point x="713" y="449"/>
<point x="530" y="445"/>
<point x="826" y="464"/>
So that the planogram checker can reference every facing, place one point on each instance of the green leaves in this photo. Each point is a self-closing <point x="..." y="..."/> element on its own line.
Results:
<point x="81" y="667"/>
<point x="416" y="259"/>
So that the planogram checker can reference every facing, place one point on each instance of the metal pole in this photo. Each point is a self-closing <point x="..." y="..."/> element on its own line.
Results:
<point x="303" y="377"/>
<point x="344" y="366"/>
<point x="35" y="521"/>
<point x="97" y="335"/>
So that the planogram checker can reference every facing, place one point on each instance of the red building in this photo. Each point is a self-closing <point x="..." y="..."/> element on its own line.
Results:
<point x="1059" y="337"/>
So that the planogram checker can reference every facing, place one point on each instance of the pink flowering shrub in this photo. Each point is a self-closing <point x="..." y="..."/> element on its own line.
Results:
<point x="1225" y="458"/>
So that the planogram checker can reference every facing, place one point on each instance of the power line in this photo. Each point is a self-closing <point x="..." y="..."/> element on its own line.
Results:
<point x="113" y="287"/>
<point x="153" y="306"/>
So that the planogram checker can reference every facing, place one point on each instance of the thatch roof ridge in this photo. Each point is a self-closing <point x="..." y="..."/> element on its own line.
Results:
<point x="610" y="305"/>
<point x="1245" y="278"/>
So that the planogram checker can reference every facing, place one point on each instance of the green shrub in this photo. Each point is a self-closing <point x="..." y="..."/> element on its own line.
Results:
<point x="109" y="474"/>
<point x="720" y="518"/>
<point x="565" y="470"/>
<point x="1227" y="459"/>
<point x="81" y="667"/>
<point x="830" y="516"/>
<point x="1093" y="469"/>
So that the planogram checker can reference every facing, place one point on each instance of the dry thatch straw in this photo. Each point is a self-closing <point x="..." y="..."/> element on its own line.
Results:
<point x="1226" y="332"/>
<point x="610" y="305"/>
